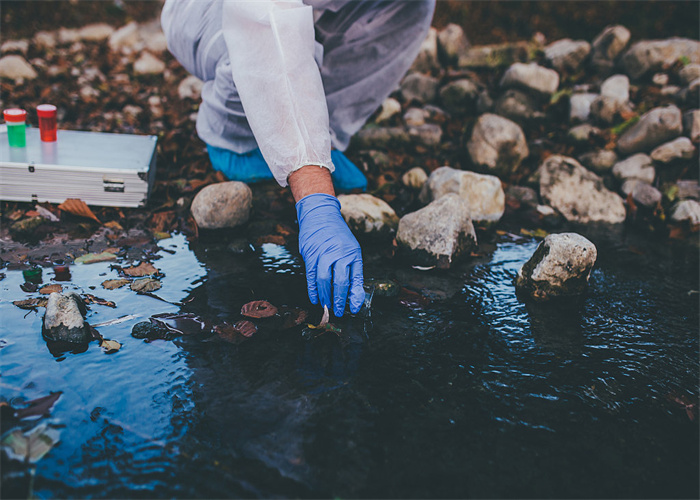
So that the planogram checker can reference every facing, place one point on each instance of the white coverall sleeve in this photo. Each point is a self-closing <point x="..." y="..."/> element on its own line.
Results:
<point x="271" y="49"/>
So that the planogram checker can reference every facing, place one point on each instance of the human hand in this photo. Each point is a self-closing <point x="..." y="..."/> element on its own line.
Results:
<point x="331" y="254"/>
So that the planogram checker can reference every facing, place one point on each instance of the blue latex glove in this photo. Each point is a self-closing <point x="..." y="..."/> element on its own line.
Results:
<point x="332" y="255"/>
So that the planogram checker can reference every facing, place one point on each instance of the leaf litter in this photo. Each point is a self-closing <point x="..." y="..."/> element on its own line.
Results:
<point x="143" y="269"/>
<point x="258" y="309"/>
<point x="113" y="284"/>
<point x="145" y="285"/>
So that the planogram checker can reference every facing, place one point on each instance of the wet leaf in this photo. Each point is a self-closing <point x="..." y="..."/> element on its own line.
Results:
<point x="145" y="285"/>
<point x="114" y="225"/>
<point x="112" y="284"/>
<point x="29" y="287"/>
<point x="258" y="309"/>
<point x="91" y="258"/>
<point x="31" y="446"/>
<point x="293" y="317"/>
<point x="183" y="323"/>
<point x="48" y="289"/>
<point x="235" y="334"/>
<point x="78" y="207"/>
<point x="143" y="269"/>
<point x="160" y="235"/>
<point x="38" y="407"/>
<point x="91" y="299"/>
<point x="31" y="303"/>
<point x="110" y="346"/>
<point x="245" y="328"/>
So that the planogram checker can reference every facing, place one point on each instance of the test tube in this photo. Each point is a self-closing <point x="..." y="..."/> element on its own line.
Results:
<point x="16" y="119"/>
<point x="47" y="122"/>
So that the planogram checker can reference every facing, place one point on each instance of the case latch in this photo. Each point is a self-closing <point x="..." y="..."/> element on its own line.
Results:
<point x="112" y="185"/>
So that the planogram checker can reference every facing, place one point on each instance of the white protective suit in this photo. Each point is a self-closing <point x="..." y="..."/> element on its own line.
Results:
<point x="290" y="77"/>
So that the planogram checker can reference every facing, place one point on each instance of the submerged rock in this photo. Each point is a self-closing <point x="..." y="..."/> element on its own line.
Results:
<point x="678" y="149"/>
<point x="497" y="144"/>
<point x="437" y="234"/>
<point x="65" y="319"/>
<point x="483" y="194"/>
<point x="560" y="267"/>
<point x="222" y="205"/>
<point x="366" y="214"/>
<point x="654" y="128"/>
<point x="578" y="193"/>
<point x="652" y="55"/>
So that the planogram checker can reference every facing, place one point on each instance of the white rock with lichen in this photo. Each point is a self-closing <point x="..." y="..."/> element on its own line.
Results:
<point x="367" y="214"/>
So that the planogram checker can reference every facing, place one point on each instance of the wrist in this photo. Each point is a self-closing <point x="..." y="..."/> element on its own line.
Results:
<point x="310" y="179"/>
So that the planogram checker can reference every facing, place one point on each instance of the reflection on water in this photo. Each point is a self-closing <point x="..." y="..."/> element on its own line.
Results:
<point x="472" y="393"/>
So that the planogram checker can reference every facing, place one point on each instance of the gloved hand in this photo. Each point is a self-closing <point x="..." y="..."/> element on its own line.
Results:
<point x="331" y="254"/>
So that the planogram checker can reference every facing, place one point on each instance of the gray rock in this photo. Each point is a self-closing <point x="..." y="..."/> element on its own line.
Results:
<point x="628" y="186"/>
<point x="582" y="134"/>
<point x="437" y="234"/>
<point x="428" y="134"/>
<point x="190" y="88"/>
<point x="521" y="196"/>
<point x="414" y="117"/>
<point x="578" y="193"/>
<point x="560" y="267"/>
<point x="689" y="72"/>
<point x="600" y="161"/>
<point x="95" y="32"/>
<point x="14" y="67"/>
<point x="484" y="103"/>
<point x="616" y="87"/>
<point x="21" y="46"/>
<point x="44" y="39"/>
<point x="567" y="54"/>
<point x="635" y="167"/>
<point x="483" y="194"/>
<point x="653" y="55"/>
<point x="459" y="96"/>
<point x="381" y="138"/>
<point x="674" y="90"/>
<point x="148" y="64"/>
<point x="654" y="127"/>
<point x="613" y="99"/>
<point x="517" y="106"/>
<point x="222" y="205"/>
<point x="497" y="144"/>
<point x="494" y="56"/>
<point x="65" y="319"/>
<point x="368" y="215"/>
<point x="390" y="108"/>
<point x="414" y="178"/>
<point x="427" y="58"/>
<point x="687" y="190"/>
<point x="151" y="331"/>
<point x="642" y="193"/>
<point x="419" y="87"/>
<point x="531" y="77"/>
<point x="452" y="43"/>
<point x="691" y="94"/>
<point x="607" y="46"/>
<point x="677" y="149"/>
<point x="434" y="114"/>
<point x="687" y="210"/>
<point x="580" y="106"/>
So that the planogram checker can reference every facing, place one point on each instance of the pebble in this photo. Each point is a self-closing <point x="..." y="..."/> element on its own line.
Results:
<point x="660" y="79"/>
<point x="95" y="32"/>
<point x="582" y="134"/>
<point x="497" y="144"/>
<point x="616" y="87"/>
<point x="494" y="56"/>
<point x="567" y="54"/>
<point x="691" y="125"/>
<point x="125" y="38"/>
<point x="21" y="46"/>
<point x="148" y="64"/>
<point x="452" y="43"/>
<point x="613" y="99"/>
<point x="438" y="234"/>
<point x="382" y="138"/>
<point x="190" y="88"/>
<point x="580" y="106"/>
<point x="678" y="149"/>
<point x="531" y="77"/>
<point x="643" y="194"/>
<point x="608" y="45"/>
<point x="428" y="134"/>
<point x="222" y="205"/>
<point x="459" y="97"/>
<point x="577" y="193"/>
<point x="600" y="161"/>
<point x="655" y="127"/>
<point x="414" y="178"/>
<point x="688" y="73"/>
<point x="44" y="39"/>
<point x="651" y="55"/>
<point x="521" y="197"/>
<point x="419" y="87"/>
<point x="14" y="67"/>
<point x="483" y="194"/>
<point x="560" y="267"/>
<point x="427" y="58"/>
<point x="637" y="166"/>
<point x="517" y="106"/>
<point x="390" y="108"/>
<point x="414" y="117"/>
<point x="65" y="319"/>
<point x="687" y="189"/>
<point x="368" y="215"/>
<point x="687" y="210"/>
<point x="66" y="36"/>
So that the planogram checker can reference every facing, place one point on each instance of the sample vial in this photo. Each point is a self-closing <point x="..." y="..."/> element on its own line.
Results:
<point x="47" y="122"/>
<point x="16" y="119"/>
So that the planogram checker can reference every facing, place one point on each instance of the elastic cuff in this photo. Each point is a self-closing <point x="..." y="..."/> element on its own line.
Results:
<point x="313" y="201"/>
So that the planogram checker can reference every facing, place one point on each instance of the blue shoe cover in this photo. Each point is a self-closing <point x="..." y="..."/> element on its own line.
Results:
<point x="245" y="167"/>
<point x="346" y="176"/>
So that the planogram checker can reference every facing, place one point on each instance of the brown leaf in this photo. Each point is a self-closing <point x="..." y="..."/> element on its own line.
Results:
<point x="114" y="225"/>
<point x="271" y="238"/>
<point x="143" y="269"/>
<point x="112" y="284"/>
<point x="38" y="407"/>
<point x="78" y="207"/>
<point x="91" y="299"/>
<point x="228" y="333"/>
<point x="162" y="221"/>
<point x="258" y="309"/>
<point x="293" y="317"/>
<point x="31" y="303"/>
<point x="91" y="258"/>
<point x="51" y="289"/>
<point x="245" y="328"/>
<point x="110" y="346"/>
<point x="145" y="285"/>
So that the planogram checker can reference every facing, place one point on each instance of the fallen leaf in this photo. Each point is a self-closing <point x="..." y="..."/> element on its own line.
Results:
<point x="258" y="309"/>
<point x="237" y="333"/>
<point x="182" y="323"/>
<point x="46" y="213"/>
<point x="112" y="284"/>
<point x="38" y="407"/>
<point x="116" y="321"/>
<point x="30" y="446"/>
<point x="143" y="269"/>
<point x="114" y="225"/>
<point x="91" y="258"/>
<point x="145" y="285"/>
<point x="271" y="238"/>
<point x="51" y="289"/>
<point x="31" y="303"/>
<point x="29" y="287"/>
<point x="293" y="317"/>
<point x="110" y="346"/>
<point x="91" y="299"/>
<point x="245" y="328"/>
<point x="161" y="235"/>
<point x="78" y="207"/>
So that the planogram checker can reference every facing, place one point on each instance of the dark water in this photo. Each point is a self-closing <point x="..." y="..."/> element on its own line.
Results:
<point x="472" y="394"/>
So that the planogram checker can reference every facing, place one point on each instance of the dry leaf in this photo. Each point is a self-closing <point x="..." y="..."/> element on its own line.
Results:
<point x="114" y="225"/>
<point x="51" y="289"/>
<point x="91" y="299"/>
<point x="78" y="207"/>
<point x="112" y="284"/>
<point x="145" y="285"/>
<point x="30" y="446"/>
<point x="143" y="269"/>
<point x="31" y="303"/>
<point x="258" y="309"/>
<point x="110" y="346"/>
<point x="91" y="258"/>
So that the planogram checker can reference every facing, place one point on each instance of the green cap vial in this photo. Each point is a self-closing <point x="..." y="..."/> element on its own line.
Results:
<point x="16" y="119"/>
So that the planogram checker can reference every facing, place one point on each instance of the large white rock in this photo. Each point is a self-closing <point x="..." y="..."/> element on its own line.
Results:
<point x="578" y="193"/>
<point x="483" y="194"/>
<point x="14" y="67"/>
<point x="64" y="319"/>
<point x="635" y="167"/>
<point x="497" y="144"/>
<point x="531" y="76"/>
<point x="655" y="127"/>
<point x="678" y="149"/>
<point x="653" y="55"/>
<point x="367" y="214"/>
<point x="437" y="234"/>
<point x="567" y="54"/>
<point x="222" y="205"/>
<point x="560" y="267"/>
<point x="687" y="210"/>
